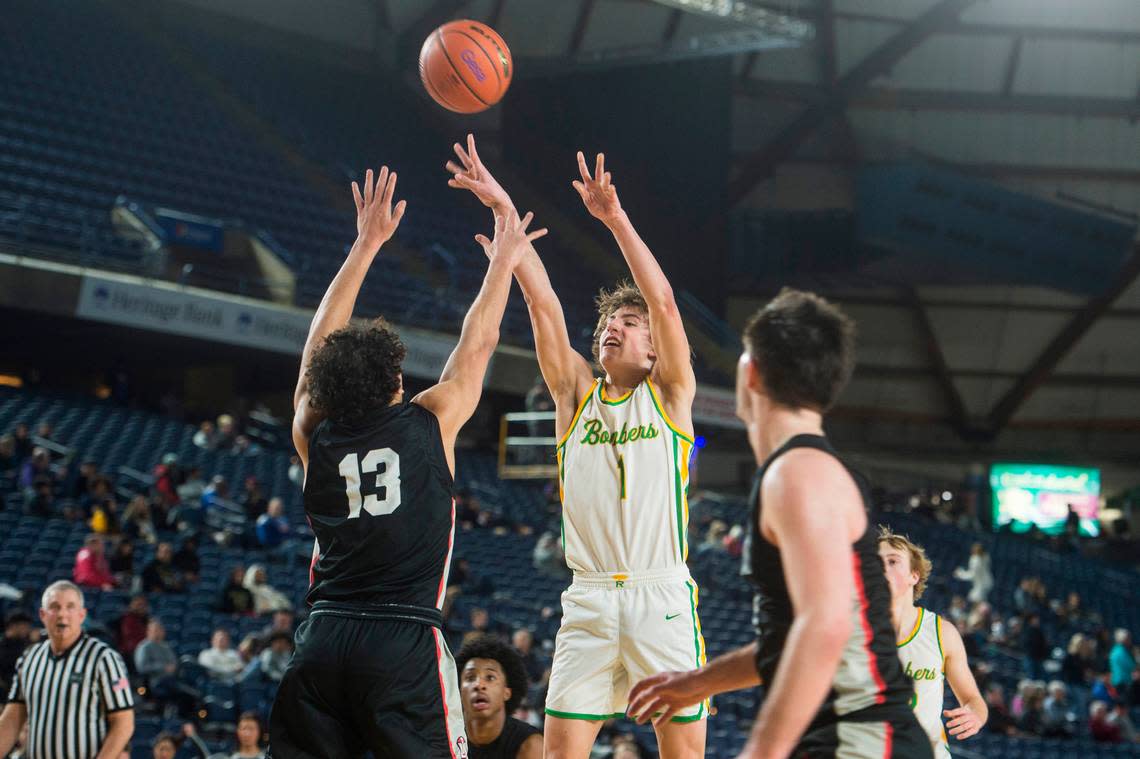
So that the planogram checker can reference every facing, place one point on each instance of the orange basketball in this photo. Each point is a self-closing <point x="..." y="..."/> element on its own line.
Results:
<point x="465" y="66"/>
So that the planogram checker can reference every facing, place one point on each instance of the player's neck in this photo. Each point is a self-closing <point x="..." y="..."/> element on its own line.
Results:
<point x="781" y="424"/>
<point x="484" y="730"/>
<point x="905" y="614"/>
<point x="622" y="380"/>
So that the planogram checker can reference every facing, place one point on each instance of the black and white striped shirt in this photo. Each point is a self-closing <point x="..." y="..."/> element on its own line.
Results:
<point x="68" y="697"/>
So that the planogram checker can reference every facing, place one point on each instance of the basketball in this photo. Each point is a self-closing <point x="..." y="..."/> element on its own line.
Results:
<point x="465" y="66"/>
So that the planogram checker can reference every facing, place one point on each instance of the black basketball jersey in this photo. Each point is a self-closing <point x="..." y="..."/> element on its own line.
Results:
<point x="869" y="684"/>
<point x="379" y="497"/>
<point x="507" y="745"/>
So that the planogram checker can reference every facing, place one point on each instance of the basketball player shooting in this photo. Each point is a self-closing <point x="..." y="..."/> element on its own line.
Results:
<point x="932" y="652"/>
<point x="371" y="670"/>
<point x="623" y="453"/>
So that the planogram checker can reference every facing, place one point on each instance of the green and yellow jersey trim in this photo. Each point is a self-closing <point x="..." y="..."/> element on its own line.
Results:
<point x="577" y="414"/>
<point x="614" y="402"/>
<point x="914" y="632"/>
<point x="661" y="410"/>
<point x="938" y="637"/>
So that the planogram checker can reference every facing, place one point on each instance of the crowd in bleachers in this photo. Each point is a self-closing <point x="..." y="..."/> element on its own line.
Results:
<point x="201" y="588"/>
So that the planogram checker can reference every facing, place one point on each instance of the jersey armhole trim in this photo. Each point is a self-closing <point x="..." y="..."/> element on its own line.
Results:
<point x="917" y="627"/>
<point x="661" y="410"/>
<point x="577" y="414"/>
<point x="938" y="637"/>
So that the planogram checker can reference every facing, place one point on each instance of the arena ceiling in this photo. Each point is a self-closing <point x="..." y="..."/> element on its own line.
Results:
<point x="1040" y="96"/>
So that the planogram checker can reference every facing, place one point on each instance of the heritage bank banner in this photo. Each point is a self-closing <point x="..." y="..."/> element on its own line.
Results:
<point x="170" y="309"/>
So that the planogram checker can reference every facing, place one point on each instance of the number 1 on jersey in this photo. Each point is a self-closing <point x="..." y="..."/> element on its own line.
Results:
<point x="621" y="474"/>
<point x="351" y="469"/>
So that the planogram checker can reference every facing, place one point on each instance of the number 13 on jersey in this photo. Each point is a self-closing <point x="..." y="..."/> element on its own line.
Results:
<point x="352" y="468"/>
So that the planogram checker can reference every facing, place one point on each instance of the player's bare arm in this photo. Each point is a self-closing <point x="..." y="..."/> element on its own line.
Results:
<point x="454" y="398"/>
<point x="566" y="373"/>
<point x="12" y="721"/>
<point x="120" y="728"/>
<point x="662" y="696"/>
<point x="673" y="371"/>
<point x="376" y="222"/>
<point x="813" y="513"/>
<point x="531" y="748"/>
<point x="972" y="712"/>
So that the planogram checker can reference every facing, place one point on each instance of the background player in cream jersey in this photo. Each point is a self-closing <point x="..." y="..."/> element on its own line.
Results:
<point x="623" y="454"/>
<point x="931" y="649"/>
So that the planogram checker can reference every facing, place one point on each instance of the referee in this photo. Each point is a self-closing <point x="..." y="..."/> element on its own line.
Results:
<point x="71" y="689"/>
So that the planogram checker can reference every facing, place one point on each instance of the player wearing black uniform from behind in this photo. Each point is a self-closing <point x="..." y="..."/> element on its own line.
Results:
<point x="492" y="681"/>
<point x="825" y="645"/>
<point x="371" y="670"/>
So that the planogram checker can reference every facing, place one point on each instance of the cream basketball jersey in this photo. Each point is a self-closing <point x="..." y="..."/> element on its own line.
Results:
<point x="623" y="470"/>
<point x="922" y="660"/>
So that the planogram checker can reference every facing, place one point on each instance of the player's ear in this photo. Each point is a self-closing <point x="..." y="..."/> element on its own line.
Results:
<point x="755" y="384"/>
<point x="507" y="694"/>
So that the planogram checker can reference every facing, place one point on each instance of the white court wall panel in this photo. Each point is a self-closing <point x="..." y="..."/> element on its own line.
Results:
<point x="953" y="62"/>
<point x="1083" y="68"/>
<point x="1070" y="14"/>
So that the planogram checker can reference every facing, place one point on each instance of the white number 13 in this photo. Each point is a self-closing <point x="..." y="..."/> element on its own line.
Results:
<point x="351" y="469"/>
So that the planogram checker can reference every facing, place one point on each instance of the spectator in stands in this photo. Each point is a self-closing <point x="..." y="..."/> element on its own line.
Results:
<point x="190" y="491"/>
<point x="22" y="440"/>
<point x="548" y="557"/>
<point x="271" y="663"/>
<point x="1121" y="662"/>
<point x="97" y="493"/>
<point x="137" y="521"/>
<point x="91" y="567"/>
<point x="482" y="624"/>
<point x="39" y="500"/>
<point x="1101" y="729"/>
<point x="160" y="575"/>
<point x="1102" y="689"/>
<point x="156" y="661"/>
<point x="18" y="635"/>
<point x="1034" y="648"/>
<point x="1001" y="721"/>
<point x="36" y="467"/>
<point x="273" y="529"/>
<point x="1058" y="719"/>
<point x="220" y="659"/>
<point x="216" y="493"/>
<point x="104" y="518"/>
<point x="236" y="598"/>
<point x="1118" y="716"/>
<point x="1032" y="717"/>
<point x="206" y="437"/>
<point x="734" y="541"/>
<point x="714" y="538"/>
<point x="85" y="480"/>
<point x="45" y="431"/>
<point x="296" y="471"/>
<point x="166" y="475"/>
<point x="523" y="641"/>
<point x="249" y="733"/>
<point x="129" y="629"/>
<point x="122" y="562"/>
<point x="226" y="434"/>
<point x="266" y="598"/>
<point x="1075" y="668"/>
<point x="165" y="746"/>
<point x="978" y="572"/>
<point x="282" y="621"/>
<point x="186" y="560"/>
<point x="492" y="683"/>
<point x="252" y="499"/>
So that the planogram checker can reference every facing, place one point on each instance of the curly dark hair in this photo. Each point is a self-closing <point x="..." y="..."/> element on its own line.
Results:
<point x="356" y="371"/>
<point x="624" y="293"/>
<point x="490" y="647"/>
<point x="804" y="349"/>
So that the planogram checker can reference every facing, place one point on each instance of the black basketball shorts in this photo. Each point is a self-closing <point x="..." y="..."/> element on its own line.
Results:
<point x="356" y="685"/>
